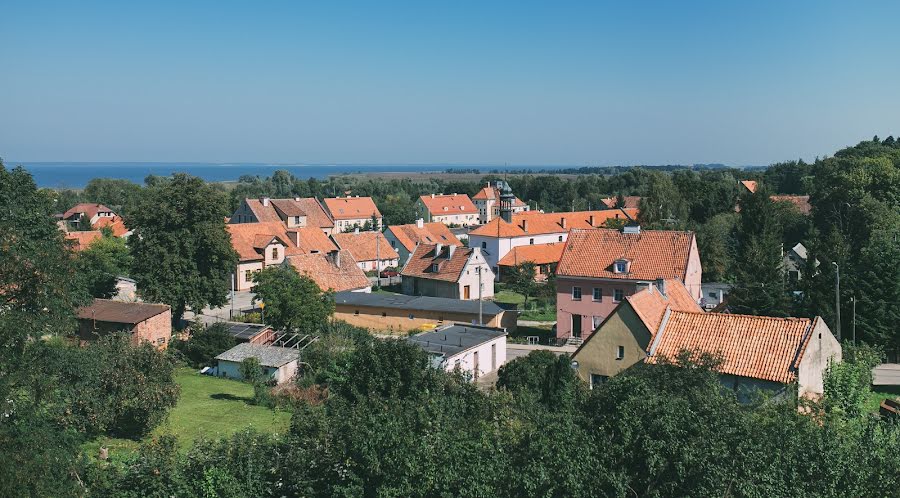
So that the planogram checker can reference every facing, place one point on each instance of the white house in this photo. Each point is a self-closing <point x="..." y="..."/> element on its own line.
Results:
<point x="449" y="209"/>
<point x="476" y="350"/>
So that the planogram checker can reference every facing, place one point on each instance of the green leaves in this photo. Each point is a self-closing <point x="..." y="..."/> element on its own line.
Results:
<point x="293" y="302"/>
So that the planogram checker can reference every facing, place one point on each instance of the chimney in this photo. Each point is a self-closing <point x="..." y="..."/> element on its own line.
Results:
<point x="264" y="201"/>
<point x="562" y="222"/>
<point x="432" y="196"/>
<point x="661" y="286"/>
<point x="297" y="199"/>
<point x="591" y="221"/>
<point x="437" y="250"/>
<point x="524" y="225"/>
<point x="420" y="223"/>
<point x="450" y="250"/>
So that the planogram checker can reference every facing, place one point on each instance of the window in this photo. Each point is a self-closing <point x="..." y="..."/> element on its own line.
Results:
<point x="597" y="320"/>
<point x="620" y="352"/>
<point x="161" y="341"/>
<point x="274" y="253"/>
<point x="712" y="295"/>
<point x="560" y="238"/>
<point x="296" y="220"/>
<point x="621" y="267"/>
<point x="484" y="245"/>
<point x="393" y="243"/>
<point x="618" y="295"/>
<point x="411" y="316"/>
<point x="248" y="276"/>
<point x="597" y="380"/>
<point x="434" y="267"/>
<point x="355" y="312"/>
<point x="576" y="293"/>
<point x="598" y="294"/>
<point x="531" y="241"/>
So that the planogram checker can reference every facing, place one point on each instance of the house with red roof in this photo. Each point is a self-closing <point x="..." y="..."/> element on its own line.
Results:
<point x="756" y="352"/>
<point x="79" y="241"/>
<point x="299" y="212"/>
<point x="544" y="257"/>
<point x="352" y="212"/>
<point x="449" y="209"/>
<point x="335" y="271"/>
<point x="600" y="267"/>
<point x="405" y="238"/>
<point x="90" y="211"/>
<point x="487" y="200"/>
<point x="371" y="250"/>
<point x="439" y="270"/>
<point x="628" y="201"/>
<point x="499" y="237"/>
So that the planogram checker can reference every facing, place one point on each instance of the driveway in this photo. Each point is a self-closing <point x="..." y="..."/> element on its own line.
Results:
<point x="886" y="374"/>
<point x="242" y="300"/>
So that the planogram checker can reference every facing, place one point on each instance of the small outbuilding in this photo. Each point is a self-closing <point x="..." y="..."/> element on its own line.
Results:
<point x="145" y="322"/>
<point x="277" y="363"/>
<point x="473" y="349"/>
<point x="253" y="333"/>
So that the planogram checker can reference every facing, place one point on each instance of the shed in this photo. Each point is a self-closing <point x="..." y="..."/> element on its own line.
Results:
<point x="277" y="363"/>
<point x="144" y="321"/>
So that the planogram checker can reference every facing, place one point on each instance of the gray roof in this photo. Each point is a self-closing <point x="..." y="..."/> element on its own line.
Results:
<point x="268" y="356"/>
<point x="416" y="303"/>
<point x="454" y="339"/>
<point x="800" y="250"/>
<point x="244" y="331"/>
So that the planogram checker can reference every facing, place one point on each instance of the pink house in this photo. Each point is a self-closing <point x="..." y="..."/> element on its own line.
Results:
<point x="600" y="267"/>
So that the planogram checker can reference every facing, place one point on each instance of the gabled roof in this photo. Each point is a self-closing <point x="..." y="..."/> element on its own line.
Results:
<point x="363" y="245"/>
<point x="539" y="254"/>
<point x="107" y="310"/>
<point x="308" y="206"/>
<point x="450" y="268"/>
<point x="631" y="201"/>
<point x="650" y="304"/>
<point x="801" y="202"/>
<point x="115" y="223"/>
<point x="429" y="233"/>
<point x="351" y="208"/>
<point x="89" y="209"/>
<point x="249" y="239"/>
<point x="537" y="223"/>
<point x="440" y="204"/>
<point x="492" y="193"/>
<point x="758" y="347"/>
<point x="321" y="268"/>
<point x="652" y="254"/>
<point x="750" y="185"/>
<point x="81" y="240"/>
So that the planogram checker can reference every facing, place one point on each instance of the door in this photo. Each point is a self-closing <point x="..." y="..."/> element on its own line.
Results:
<point x="466" y="292"/>
<point x="475" y="361"/>
<point x="576" y="325"/>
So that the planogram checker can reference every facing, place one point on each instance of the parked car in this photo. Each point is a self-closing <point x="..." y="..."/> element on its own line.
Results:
<point x="389" y="273"/>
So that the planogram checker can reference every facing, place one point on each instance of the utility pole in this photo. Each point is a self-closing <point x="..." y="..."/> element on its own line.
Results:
<point x="837" y="299"/>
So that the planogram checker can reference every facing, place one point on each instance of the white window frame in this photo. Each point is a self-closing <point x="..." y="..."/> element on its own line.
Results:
<point x="574" y="289"/>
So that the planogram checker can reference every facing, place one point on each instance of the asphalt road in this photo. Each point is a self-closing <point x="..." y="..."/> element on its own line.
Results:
<point x="886" y="374"/>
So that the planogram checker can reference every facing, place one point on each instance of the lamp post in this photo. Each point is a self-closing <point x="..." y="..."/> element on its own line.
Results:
<point x="837" y="299"/>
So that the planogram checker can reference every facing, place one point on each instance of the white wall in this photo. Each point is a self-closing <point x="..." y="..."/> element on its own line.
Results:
<point x="232" y="370"/>
<point x="823" y="348"/>
<point x="499" y="247"/>
<point x="467" y="358"/>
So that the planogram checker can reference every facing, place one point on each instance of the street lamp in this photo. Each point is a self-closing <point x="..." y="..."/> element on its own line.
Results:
<point x="837" y="298"/>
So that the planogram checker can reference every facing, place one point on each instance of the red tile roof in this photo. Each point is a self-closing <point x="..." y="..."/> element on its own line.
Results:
<point x="631" y="201"/>
<point x="651" y="254"/>
<point x="450" y="268"/>
<point x="89" y="209"/>
<point x="249" y="239"/>
<point x="321" y="268"/>
<point x="801" y="202"/>
<point x="440" y="204"/>
<point x="363" y="245"/>
<point x="749" y="185"/>
<point x="650" y="305"/>
<point x="115" y="223"/>
<point x="537" y="223"/>
<point x="351" y="208"/>
<point x="430" y="233"/>
<point x="751" y="346"/>
<point x="492" y="193"/>
<point x="310" y="207"/>
<point x="81" y="240"/>
<point x="539" y="254"/>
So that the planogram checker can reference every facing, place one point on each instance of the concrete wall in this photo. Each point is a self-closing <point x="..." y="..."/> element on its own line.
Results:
<point x="823" y="348"/>
<point x="598" y="356"/>
<point x="232" y="370"/>
<point x="590" y="311"/>
<point x="490" y="356"/>
<point x="398" y="321"/>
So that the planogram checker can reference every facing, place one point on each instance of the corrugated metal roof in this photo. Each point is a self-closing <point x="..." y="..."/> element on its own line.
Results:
<point x="416" y="303"/>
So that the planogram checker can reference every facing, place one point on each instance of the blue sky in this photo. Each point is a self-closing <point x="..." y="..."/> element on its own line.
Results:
<point x="584" y="83"/>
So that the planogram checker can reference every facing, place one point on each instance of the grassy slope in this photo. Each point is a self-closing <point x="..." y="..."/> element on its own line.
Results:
<point x="208" y="406"/>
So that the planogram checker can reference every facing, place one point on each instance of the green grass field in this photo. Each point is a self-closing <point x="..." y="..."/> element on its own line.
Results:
<point x="879" y="393"/>
<point x="208" y="406"/>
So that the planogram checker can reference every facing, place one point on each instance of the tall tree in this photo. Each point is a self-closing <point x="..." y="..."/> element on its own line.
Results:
<point x="293" y="302"/>
<point x="100" y="265"/>
<point x="521" y="280"/>
<point x="182" y="252"/>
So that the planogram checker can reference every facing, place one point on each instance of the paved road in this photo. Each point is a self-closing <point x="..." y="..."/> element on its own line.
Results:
<point x="886" y="374"/>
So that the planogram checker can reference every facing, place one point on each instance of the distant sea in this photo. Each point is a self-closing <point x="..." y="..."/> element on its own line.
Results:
<point x="76" y="174"/>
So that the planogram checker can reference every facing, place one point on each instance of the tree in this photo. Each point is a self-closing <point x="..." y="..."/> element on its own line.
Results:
<point x="715" y="242"/>
<point x="120" y="195"/>
<point x="848" y="383"/>
<point x="205" y="343"/>
<point x="521" y="280"/>
<point x="182" y="253"/>
<point x="101" y="264"/>
<point x="293" y="302"/>
<point x="84" y="224"/>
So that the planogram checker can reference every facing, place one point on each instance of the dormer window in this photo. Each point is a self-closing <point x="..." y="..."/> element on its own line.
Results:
<point x="434" y="267"/>
<point x="620" y="266"/>
<point x="274" y="253"/>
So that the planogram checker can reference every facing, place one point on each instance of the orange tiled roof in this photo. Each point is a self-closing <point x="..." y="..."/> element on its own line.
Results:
<point x="351" y="208"/>
<point x="81" y="240"/>
<point x="440" y="204"/>
<point x="631" y="201"/>
<point x="537" y="223"/>
<point x="115" y="223"/>
<point x="449" y="268"/>
<point x="749" y="185"/>
<point x="310" y="207"/>
<point x="758" y="347"/>
<point x="249" y="239"/>
<point x="650" y="305"/>
<point x="322" y="270"/>
<point x="363" y="245"/>
<point x="652" y="254"/>
<point x="430" y="233"/>
<point x="801" y="202"/>
<point x="492" y="193"/>
<point x="539" y="254"/>
<point x="89" y="209"/>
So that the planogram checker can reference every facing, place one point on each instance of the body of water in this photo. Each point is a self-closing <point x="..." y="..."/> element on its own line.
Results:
<point x="76" y="174"/>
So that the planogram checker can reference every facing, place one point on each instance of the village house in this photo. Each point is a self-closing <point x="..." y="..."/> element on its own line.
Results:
<point x="501" y="235"/>
<point x="144" y="322"/>
<point x="748" y="186"/>
<point x="277" y="363"/>
<point x="254" y="333"/>
<point x="399" y="313"/>
<point x="544" y="257"/>
<point x="600" y="267"/>
<point x="90" y="211"/>
<point x="336" y="271"/>
<point x="471" y="349"/>
<point x="447" y="271"/>
<point x="299" y="212"/>
<point x="450" y="209"/>
<point x="405" y="238"/>
<point x="487" y="200"/>
<point x="260" y="245"/>
<point x="353" y="212"/>
<point x="371" y="250"/>
<point x="757" y="353"/>
<point x="628" y="202"/>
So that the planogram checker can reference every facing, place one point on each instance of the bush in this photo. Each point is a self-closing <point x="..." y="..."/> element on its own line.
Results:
<point x="204" y="344"/>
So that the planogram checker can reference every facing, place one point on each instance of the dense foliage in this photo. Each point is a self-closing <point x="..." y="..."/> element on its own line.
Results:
<point x="204" y="344"/>
<point x="101" y="263"/>
<point x="293" y="302"/>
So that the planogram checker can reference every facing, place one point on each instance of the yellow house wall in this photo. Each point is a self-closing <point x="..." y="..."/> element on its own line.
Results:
<point x="598" y="355"/>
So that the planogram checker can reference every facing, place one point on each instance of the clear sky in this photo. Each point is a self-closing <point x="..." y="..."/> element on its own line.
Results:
<point x="583" y="83"/>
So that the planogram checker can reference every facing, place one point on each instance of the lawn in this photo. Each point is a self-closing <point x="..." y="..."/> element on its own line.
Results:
<point x="878" y="394"/>
<point x="208" y="406"/>
<point x="522" y="332"/>
<point x="537" y="311"/>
